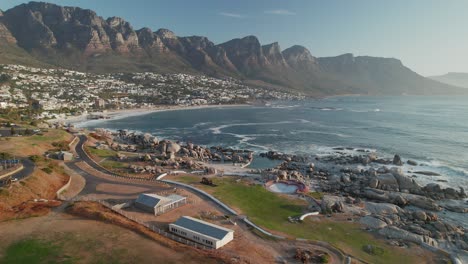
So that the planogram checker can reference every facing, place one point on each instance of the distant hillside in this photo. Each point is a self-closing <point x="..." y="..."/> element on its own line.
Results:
<point x="47" y="34"/>
<point x="459" y="79"/>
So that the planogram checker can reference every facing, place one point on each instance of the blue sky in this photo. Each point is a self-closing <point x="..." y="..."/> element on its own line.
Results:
<point x="429" y="36"/>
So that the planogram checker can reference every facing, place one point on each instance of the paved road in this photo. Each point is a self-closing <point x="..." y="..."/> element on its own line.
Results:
<point x="103" y="176"/>
<point x="92" y="182"/>
<point x="28" y="168"/>
<point x="84" y="157"/>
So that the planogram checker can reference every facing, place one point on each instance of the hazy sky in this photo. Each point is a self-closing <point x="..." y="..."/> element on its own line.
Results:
<point x="429" y="36"/>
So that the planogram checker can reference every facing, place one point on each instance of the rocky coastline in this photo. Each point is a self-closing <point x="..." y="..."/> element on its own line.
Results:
<point x="386" y="200"/>
<point x="372" y="190"/>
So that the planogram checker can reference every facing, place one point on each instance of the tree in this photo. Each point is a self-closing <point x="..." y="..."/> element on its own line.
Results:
<point x="4" y="78"/>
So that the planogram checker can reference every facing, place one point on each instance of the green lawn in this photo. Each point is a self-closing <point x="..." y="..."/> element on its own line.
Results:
<point x="112" y="164"/>
<point x="34" y="251"/>
<point x="52" y="136"/>
<point x="263" y="207"/>
<point x="102" y="153"/>
<point x="270" y="210"/>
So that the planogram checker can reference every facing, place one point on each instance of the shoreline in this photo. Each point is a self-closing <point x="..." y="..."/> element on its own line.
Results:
<point x="81" y="121"/>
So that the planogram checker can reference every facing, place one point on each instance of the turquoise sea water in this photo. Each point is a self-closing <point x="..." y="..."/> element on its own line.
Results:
<point x="430" y="130"/>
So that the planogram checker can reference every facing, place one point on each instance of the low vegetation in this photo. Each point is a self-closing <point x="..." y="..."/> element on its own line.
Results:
<point x="34" y="251"/>
<point x="101" y="153"/>
<point x="271" y="211"/>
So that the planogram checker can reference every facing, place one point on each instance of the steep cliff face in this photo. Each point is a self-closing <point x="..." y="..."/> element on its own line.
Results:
<point x="5" y="35"/>
<point x="273" y="55"/>
<point x="150" y="41"/>
<point x="37" y="33"/>
<point x="123" y="38"/>
<point x="45" y="26"/>
<point x="300" y="58"/>
<point x="246" y="54"/>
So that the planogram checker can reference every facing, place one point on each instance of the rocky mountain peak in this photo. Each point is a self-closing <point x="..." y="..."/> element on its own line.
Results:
<point x="245" y="53"/>
<point x="166" y="34"/>
<point x="122" y="36"/>
<point x="299" y="57"/>
<point x="1" y="13"/>
<point x="297" y="52"/>
<point x="272" y="52"/>
<point x="150" y="41"/>
<point x="117" y="22"/>
<point x="271" y="49"/>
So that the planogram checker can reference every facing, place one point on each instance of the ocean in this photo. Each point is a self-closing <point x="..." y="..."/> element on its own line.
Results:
<point x="430" y="130"/>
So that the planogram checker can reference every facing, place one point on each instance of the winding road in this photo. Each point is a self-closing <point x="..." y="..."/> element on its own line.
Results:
<point x="28" y="168"/>
<point x="97" y="176"/>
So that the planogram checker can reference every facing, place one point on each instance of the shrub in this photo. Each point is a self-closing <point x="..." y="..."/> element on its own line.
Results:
<point x="325" y="258"/>
<point x="5" y="156"/>
<point x="35" y="158"/>
<point x="373" y="250"/>
<point x="47" y="170"/>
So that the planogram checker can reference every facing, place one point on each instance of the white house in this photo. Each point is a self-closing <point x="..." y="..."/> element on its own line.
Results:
<point x="159" y="204"/>
<point x="202" y="232"/>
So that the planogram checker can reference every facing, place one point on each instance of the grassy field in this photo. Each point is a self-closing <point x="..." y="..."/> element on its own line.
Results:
<point x="271" y="211"/>
<point x="33" y="145"/>
<point x="112" y="164"/>
<point x="101" y="153"/>
<point x="34" y="251"/>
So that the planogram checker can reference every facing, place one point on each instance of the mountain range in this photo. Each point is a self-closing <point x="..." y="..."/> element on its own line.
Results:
<point x="49" y="35"/>
<point x="459" y="79"/>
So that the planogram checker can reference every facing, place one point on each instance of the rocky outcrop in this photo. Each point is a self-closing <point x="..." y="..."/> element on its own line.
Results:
<point x="272" y="53"/>
<point x="5" y="34"/>
<point x="382" y="208"/>
<point x="299" y="58"/>
<point x="393" y="232"/>
<point x="246" y="54"/>
<point x="123" y="38"/>
<point x="372" y="222"/>
<point x="151" y="42"/>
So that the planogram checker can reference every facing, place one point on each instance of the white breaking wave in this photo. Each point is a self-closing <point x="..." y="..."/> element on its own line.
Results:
<point x="218" y="129"/>
<point x="295" y="132"/>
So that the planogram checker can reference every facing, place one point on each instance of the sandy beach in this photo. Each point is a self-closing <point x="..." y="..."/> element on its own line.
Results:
<point x="82" y="120"/>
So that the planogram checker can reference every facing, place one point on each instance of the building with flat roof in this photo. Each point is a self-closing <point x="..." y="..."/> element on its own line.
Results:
<point x="202" y="232"/>
<point x="65" y="155"/>
<point x="158" y="204"/>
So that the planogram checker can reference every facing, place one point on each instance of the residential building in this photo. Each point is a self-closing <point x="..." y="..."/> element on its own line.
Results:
<point x="202" y="232"/>
<point x="157" y="204"/>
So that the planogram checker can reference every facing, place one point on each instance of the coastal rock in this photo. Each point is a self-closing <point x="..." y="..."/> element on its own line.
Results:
<point x="399" y="200"/>
<point x="393" y="232"/>
<point x="387" y="182"/>
<point x="373" y="183"/>
<point x="420" y="215"/>
<point x="372" y="222"/>
<point x="412" y="162"/>
<point x="397" y="160"/>
<point x="332" y="204"/>
<point x="382" y="170"/>
<point x="423" y="202"/>
<point x="211" y="171"/>
<point x="382" y="208"/>
<point x="427" y="173"/>
<point x="173" y="147"/>
<point x="405" y="184"/>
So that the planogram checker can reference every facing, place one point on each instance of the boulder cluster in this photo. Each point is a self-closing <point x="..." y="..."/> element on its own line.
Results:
<point x="385" y="198"/>
<point x="164" y="153"/>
